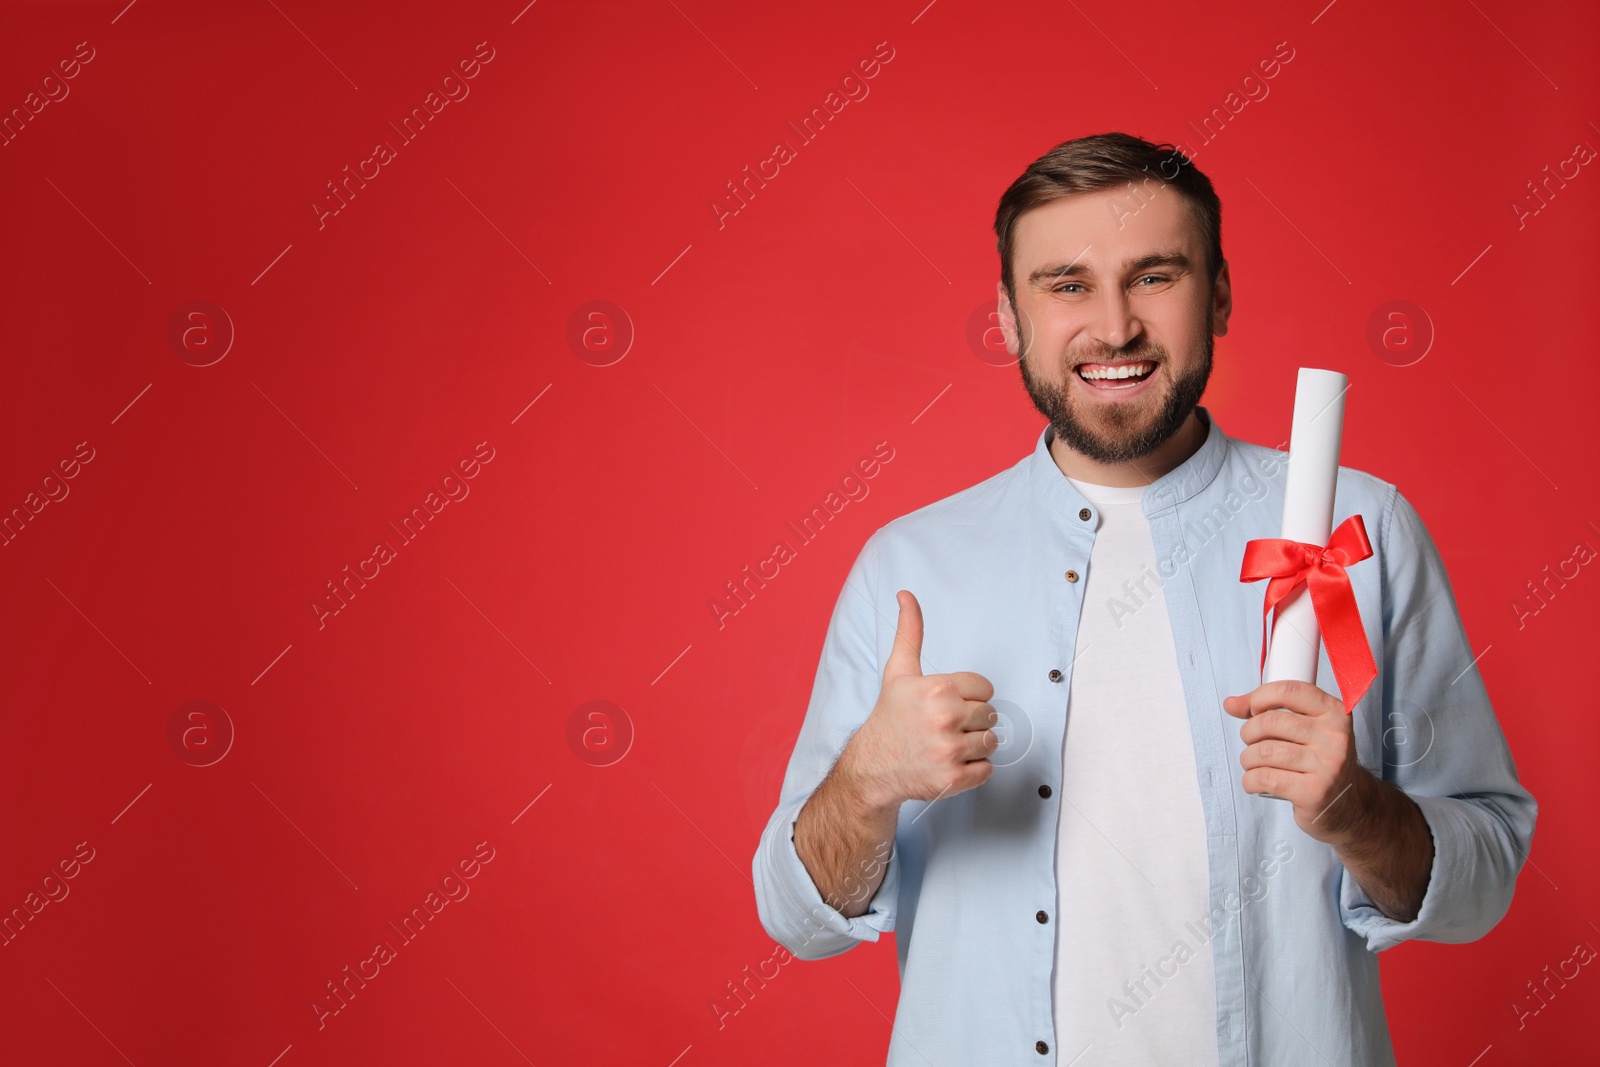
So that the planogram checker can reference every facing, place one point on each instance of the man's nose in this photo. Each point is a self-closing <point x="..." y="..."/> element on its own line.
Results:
<point x="1115" y="323"/>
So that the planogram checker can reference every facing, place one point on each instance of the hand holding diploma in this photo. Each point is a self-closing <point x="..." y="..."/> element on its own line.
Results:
<point x="1301" y="747"/>
<point x="1302" y="753"/>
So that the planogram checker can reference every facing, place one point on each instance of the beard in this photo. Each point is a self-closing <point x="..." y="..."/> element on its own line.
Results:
<point x="1119" y="432"/>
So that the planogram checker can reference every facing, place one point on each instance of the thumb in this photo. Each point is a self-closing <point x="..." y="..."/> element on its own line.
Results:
<point x="906" y="655"/>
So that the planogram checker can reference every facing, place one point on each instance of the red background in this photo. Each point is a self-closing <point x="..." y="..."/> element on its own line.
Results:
<point x="373" y="753"/>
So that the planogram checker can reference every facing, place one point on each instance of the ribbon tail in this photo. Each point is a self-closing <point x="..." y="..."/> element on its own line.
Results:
<point x="1339" y="618"/>
<point x="1261" y="667"/>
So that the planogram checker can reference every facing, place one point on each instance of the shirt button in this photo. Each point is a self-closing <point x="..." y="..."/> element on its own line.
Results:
<point x="1083" y="514"/>
<point x="1042" y="917"/>
<point x="1055" y="676"/>
<point x="1041" y="1047"/>
<point x="1072" y="576"/>
<point x="1044" y="791"/>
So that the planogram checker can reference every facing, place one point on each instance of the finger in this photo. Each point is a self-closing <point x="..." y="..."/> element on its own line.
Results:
<point x="976" y="773"/>
<point x="981" y="744"/>
<point x="1243" y="707"/>
<point x="1296" y="696"/>
<point x="1284" y="755"/>
<point x="905" y="658"/>
<point x="971" y="686"/>
<point x="1279" y="723"/>
<point x="980" y="716"/>
<point x="1280" y="783"/>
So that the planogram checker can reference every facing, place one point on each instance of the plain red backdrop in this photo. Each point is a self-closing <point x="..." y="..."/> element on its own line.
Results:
<point x="375" y="348"/>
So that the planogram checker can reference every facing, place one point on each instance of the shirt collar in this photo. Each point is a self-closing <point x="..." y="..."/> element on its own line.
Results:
<point x="1174" y="487"/>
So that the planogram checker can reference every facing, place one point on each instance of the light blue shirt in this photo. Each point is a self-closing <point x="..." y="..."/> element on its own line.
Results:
<point x="1293" y="937"/>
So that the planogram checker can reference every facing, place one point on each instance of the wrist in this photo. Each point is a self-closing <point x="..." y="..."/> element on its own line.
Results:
<point x="1370" y="801"/>
<point x="867" y="796"/>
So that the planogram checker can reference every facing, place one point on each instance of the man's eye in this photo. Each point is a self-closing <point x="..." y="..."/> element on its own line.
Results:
<point x="1067" y="285"/>
<point x="1157" y="277"/>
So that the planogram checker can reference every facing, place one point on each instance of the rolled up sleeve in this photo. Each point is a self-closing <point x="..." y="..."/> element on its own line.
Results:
<point x="793" y="911"/>
<point x="1476" y="858"/>
<point x="848" y="679"/>
<point x="1444" y="747"/>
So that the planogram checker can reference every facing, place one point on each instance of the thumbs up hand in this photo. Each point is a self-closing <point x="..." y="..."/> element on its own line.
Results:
<point x="929" y="736"/>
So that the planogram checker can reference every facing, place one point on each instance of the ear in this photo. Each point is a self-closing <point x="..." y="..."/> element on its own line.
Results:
<point x="1221" y="301"/>
<point x="1008" y="322"/>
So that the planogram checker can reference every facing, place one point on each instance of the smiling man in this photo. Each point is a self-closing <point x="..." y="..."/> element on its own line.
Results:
<point x="1036" y="735"/>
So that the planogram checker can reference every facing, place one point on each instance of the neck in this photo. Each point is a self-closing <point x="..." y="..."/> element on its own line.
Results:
<point x="1142" y="471"/>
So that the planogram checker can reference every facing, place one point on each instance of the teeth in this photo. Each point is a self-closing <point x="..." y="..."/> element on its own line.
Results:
<point x="1127" y="370"/>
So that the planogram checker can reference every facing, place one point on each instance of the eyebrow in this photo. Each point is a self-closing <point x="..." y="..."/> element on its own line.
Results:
<point x="1167" y="258"/>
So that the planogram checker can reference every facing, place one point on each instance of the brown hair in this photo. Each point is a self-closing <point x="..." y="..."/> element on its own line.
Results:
<point x="1102" y="161"/>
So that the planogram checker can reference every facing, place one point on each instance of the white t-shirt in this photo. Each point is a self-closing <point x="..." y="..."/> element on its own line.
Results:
<point x="1133" y="982"/>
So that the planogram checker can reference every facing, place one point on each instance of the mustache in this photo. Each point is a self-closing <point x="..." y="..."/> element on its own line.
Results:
<point x="1148" y="351"/>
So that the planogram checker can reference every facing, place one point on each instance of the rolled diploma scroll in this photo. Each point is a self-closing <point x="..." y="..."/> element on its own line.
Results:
<point x="1307" y="517"/>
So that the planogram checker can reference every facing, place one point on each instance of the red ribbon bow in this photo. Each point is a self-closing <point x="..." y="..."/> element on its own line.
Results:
<point x="1322" y="569"/>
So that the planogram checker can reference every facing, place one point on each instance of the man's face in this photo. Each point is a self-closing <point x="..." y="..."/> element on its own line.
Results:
<point x="1108" y="284"/>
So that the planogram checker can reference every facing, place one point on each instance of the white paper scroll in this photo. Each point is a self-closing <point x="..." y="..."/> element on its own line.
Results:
<point x="1307" y="517"/>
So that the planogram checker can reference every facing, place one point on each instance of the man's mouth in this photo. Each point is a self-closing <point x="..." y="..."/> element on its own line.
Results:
<point x="1114" y="376"/>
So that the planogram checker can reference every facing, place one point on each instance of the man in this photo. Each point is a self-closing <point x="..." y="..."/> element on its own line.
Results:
<point x="1036" y="738"/>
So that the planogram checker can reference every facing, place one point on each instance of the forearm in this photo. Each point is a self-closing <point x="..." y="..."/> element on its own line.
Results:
<point x="844" y="838"/>
<point x="1389" y="850"/>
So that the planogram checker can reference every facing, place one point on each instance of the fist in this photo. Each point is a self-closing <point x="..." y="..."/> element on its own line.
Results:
<point x="928" y="736"/>
<point x="1300" y="745"/>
